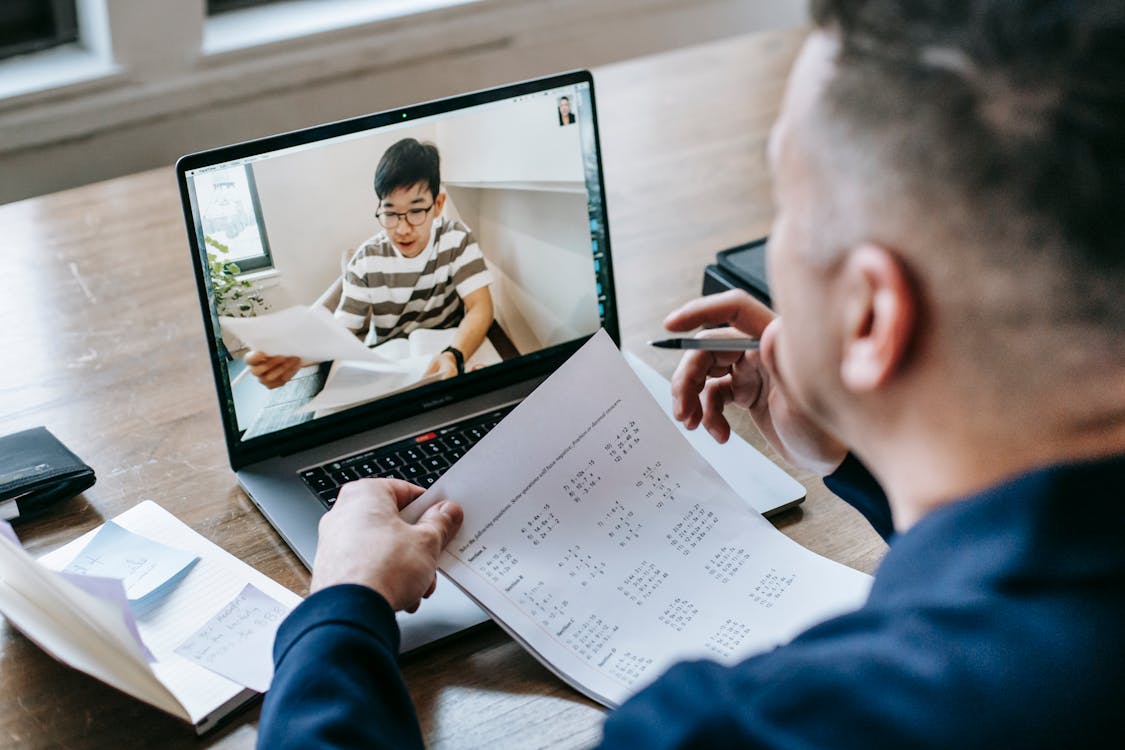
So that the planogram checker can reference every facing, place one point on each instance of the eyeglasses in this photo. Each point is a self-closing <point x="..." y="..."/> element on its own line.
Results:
<point x="415" y="217"/>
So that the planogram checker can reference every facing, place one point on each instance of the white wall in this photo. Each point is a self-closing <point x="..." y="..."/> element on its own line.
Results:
<point x="518" y="179"/>
<point x="518" y="143"/>
<point x="539" y="245"/>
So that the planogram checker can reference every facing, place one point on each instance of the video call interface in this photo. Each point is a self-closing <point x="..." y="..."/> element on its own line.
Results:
<point x="507" y="259"/>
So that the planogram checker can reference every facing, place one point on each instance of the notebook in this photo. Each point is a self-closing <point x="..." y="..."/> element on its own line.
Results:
<point x="287" y="226"/>
<point x="143" y="655"/>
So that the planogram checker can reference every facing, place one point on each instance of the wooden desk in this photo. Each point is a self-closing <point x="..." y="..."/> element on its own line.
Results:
<point x="102" y="342"/>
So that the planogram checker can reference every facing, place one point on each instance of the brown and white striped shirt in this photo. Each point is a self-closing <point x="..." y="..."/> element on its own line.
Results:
<point x="401" y="294"/>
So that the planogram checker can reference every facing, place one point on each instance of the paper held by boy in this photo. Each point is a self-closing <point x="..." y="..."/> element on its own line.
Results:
<point x="359" y="374"/>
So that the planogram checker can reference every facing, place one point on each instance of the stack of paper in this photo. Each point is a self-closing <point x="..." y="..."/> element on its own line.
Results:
<point x="150" y="607"/>
<point x="611" y="549"/>
<point x="401" y="365"/>
<point x="359" y="374"/>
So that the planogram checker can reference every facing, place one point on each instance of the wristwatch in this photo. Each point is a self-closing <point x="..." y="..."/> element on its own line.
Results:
<point x="458" y="357"/>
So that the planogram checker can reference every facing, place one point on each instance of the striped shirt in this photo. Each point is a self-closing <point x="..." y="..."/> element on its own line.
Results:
<point x="401" y="294"/>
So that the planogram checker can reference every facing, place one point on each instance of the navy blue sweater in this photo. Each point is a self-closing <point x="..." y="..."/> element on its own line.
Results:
<point x="997" y="621"/>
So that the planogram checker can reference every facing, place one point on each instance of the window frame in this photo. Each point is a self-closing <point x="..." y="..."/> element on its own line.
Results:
<point x="228" y="6"/>
<point x="64" y="29"/>
<point x="151" y="79"/>
<point x="156" y="44"/>
<point x="252" y="265"/>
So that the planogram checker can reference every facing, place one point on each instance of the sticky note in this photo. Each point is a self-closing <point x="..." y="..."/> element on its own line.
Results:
<point x="238" y="641"/>
<point x="146" y="568"/>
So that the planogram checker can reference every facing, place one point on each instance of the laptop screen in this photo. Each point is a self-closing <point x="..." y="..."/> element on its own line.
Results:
<point x="456" y="241"/>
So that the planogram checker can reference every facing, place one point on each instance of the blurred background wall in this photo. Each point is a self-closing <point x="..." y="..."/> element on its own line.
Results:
<point x="134" y="84"/>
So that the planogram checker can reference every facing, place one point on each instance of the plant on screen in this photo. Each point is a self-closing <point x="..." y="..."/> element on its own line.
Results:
<point x="234" y="296"/>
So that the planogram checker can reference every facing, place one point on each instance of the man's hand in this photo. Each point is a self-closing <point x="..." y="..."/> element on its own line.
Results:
<point x="444" y="364"/>
<point x="363" y="540"/>
<point x="272" y="371"/>
<point x="705" y="382"/>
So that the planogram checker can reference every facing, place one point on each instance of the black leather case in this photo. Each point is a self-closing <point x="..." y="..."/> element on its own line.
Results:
<point x="37" y="471"/>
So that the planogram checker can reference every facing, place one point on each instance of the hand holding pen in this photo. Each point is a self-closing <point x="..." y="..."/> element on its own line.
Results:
<point x="725" y="366"/>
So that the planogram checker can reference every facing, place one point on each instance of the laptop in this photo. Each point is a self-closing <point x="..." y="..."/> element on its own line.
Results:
<point x="275" y="227"/>
<point x="278" y="222"/>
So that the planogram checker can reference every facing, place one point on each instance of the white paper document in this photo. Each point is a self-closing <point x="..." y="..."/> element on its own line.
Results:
<point x="611" y="549"/>
<point x="353" y="382"/>
<point x="311" y="333"/>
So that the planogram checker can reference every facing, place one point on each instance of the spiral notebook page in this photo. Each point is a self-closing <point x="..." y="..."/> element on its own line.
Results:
<point x="611" y="549"/>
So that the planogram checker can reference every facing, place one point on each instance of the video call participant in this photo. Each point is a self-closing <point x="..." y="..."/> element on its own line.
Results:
<point x="969" y="357"/>
<point x="566" y="117"/>
<point x="421" y="271"/>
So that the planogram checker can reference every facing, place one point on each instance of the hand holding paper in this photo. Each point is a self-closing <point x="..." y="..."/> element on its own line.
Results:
<point x="611" y="549"/>
<point x="371" y="546"/>
<point x="310" y="333"/>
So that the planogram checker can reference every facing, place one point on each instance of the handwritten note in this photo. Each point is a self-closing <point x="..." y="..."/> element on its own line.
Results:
<point x="238" y="641"/>
<point x="145" y="568"/>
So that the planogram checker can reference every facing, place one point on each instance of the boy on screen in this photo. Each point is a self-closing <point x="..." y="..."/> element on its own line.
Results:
<point x="421" y="271"/>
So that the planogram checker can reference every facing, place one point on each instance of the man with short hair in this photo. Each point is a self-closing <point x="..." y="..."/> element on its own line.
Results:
<point x="948" y="263"/>
<point x="422" y="270"/>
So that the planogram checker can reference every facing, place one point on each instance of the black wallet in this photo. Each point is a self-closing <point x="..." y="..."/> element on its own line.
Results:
<point x="36" y="471"/>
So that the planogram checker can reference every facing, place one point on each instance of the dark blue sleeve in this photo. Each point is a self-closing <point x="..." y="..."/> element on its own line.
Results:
<point x="336" y="682"/>
<point x="841" y="686"/>
<point x="854" y="484"/>
<point x="976" y="671"/>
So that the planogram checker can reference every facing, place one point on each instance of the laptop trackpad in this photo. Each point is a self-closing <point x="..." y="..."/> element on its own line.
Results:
<point x="446" y="612"/>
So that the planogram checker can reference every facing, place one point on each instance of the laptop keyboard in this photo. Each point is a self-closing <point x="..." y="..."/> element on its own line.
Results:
<point x="420" y="459"/>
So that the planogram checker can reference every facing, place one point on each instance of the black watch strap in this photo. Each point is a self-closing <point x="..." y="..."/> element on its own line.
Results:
<point x="458" y="357"/>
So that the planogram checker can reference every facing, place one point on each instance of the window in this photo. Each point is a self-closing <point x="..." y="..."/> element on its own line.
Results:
<point x="221" y="6"/>
<point x="30" y="25"/>
<point x="231" y="217"/>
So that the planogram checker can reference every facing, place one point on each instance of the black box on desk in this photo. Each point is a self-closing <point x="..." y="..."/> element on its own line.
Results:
<point x="741" y="267"/>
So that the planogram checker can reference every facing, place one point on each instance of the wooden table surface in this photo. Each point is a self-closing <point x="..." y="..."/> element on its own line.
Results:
<point x="103" y="344"/>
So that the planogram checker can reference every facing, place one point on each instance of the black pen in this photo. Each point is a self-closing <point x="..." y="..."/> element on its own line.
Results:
<point x="709" y="344"/>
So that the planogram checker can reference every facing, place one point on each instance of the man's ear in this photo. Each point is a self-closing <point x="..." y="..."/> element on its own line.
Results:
<point x="439" y="203"/>
<point x="880" y="317"/>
